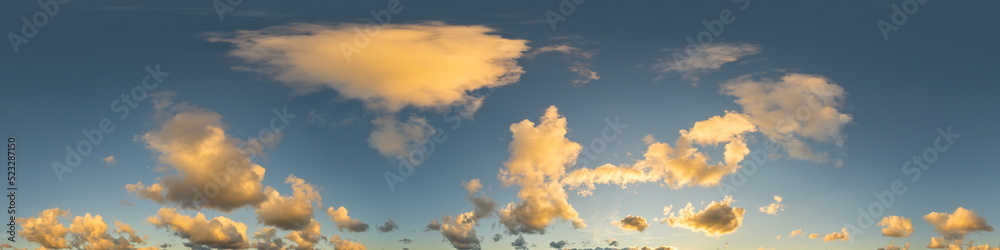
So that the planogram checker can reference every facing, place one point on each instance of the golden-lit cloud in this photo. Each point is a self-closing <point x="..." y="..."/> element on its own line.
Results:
<point x="709" y="57"/>
<point x="794" y="107"/>
<point x="717" y="218"/>
<point x="345" y="244"/>
<point x="88" y="232"/>
<point x="892" y="246"/>
<point x="813" y="236"/>
<point x="539" y="156"/>
<point x="219" y="232"/>
<point x="473" y="186"/>
<point x="293" y="212"/>
<point x="797" y="232"/>
<point x="110" y="160"/>
<point x="460" y="230"/>
<point x="211" y="171"/>
<point x="939" y="242"/>
<point x="344" y="221"/>
<point x="896" y="226"/>
<point x="46" y="230"/>
<point x="958" y="224"/>
<point x="983" y="247"/>
<point x="307" y="238"/>
<point x="842" y="236"/>
<point x="426" y="66"/>
<point x="267" y="239"/>
<point x="632" y="223"/>
<point x="773" y="208"/>
<point x="678" y="166"/>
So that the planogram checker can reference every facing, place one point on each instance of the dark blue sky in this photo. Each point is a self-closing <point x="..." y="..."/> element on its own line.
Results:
<point x="937" y="71"/>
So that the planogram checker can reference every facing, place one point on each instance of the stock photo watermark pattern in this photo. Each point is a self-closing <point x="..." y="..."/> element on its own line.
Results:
<point x="559" y="124"/>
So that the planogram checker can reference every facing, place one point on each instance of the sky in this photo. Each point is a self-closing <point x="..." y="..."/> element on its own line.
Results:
<point x="570" y="124"/>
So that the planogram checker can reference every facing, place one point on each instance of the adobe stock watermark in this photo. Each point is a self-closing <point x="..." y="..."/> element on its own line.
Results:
<point x="899" y="16"/>
<point x="252" y="146"/>
<point x="713" y="30"/>
<point x="93" y="137"/>
<point x="421" y="151"/>
<point x="566" y="8"/>
<point x="597" y="146"/>
<point x="38" y="20"/>
<point x="364" y="37"/>
<point x="223" y="6"/>
<point x="884" y="199"/>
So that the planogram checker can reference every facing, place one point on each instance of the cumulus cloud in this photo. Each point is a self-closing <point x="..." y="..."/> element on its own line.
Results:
<point x="88" y="232"/>
<point x="813" y="236"/>
<point x="426" y="66"/>
<point x="558" y="244"/>
<point x="306" y="238"/>
<point x="707" y="58"/>
<point x="896" y="226"/>
<point x="539" y="156"/>
<point x="293" y="212"/>
<point x="219" y="232"/>
<point x="892" y="246"/>
<point x="842" y="235"/>
<point x="958" y="224"/>
<point x="194" y="144"/>
<point x="632" y="223"/>
<point x="388" y="226"/>
<point x="344" y="221"/>
<point x="797" y="232"/>
<point x="460" y="230"/>
<point x="267" y="239"/>
<point x="794" y="107"/>
<point x="983" y="247"/>
<point x="579" y="61"/>
<point x="773" y="208"/>
<point x="110" y="160"/>
<point x="718" y="218"/>
<point x="680" y="165"/>
<point x="345" y="244"/>
<point x="46" y="230"/>
<point x="473" y="186"/>
<point x="520" y="243"/>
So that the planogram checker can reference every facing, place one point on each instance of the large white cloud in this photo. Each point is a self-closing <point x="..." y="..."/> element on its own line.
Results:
<point x="427" y="66"/>
<point x="539" y="156"/>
